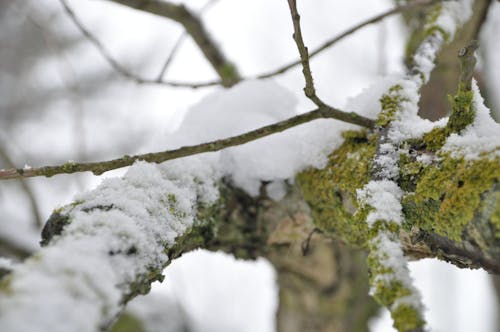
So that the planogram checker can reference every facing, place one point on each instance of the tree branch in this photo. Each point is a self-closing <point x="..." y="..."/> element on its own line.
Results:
<point x="195" y="28"/>
<point x="309" y="89"/>
<point x="179" y="42"/>
<point x="118" y="67"/>
<point x="122" y="70"/>
<point x="35" y="211"/>
<point x="98" y="168"/>
<point x="332" y="41"/>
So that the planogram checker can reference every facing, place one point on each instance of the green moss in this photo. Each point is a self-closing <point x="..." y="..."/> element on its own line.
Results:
<point x="69" y="167"/>
<point x="331" y="191"/>
<point x="127" y="323"/>
<point x="495" y="217"/>
<point x="462" y="113"/>
<point x="142" y="284"/>
<point x="5" y="287"/>
<point x="229" y="74"/>
<point x="387" y="289"/>
<point x="406" y="318"/>
<point x="390" y="103"/>
<point x="409" y="172"/>
<point x="449" y="193"/>
<point x="435" y="139"/>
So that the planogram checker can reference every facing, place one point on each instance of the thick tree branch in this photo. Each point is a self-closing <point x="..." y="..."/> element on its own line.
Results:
<point x="100" y="167"/>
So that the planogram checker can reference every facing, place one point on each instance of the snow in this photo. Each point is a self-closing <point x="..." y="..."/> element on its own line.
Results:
<point x="6" y="264"/>
<point x="426" y="54"/>
<point x="384" y="197"/>
<point x="367" y="101"/>
<point x="105" y="249"/>
<point x="480" y="138"/>
<point x="251" y="105"/>
<point x="276" y="190"/>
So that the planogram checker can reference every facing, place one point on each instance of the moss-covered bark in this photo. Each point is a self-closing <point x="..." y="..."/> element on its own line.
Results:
<point x="450" y="197"/>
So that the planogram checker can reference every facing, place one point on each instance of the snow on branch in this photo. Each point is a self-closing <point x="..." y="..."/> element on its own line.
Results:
<point x="380" y="199"/>
<point x="104" y="248"/>
<point x="112" y="242"/>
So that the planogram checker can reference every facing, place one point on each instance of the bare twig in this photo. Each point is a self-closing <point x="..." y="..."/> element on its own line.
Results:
<point x="309" y="89"/>
<point x="118" y="67"/>
<point x="179" y="42"/>
<point x="329" y="43"/>
<point x="194" y="27"/>
<point x="35" y="211"/>
<point x="158" y="157"/>
<point x="281" y="70"/>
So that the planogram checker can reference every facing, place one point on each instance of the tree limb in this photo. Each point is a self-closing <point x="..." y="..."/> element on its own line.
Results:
<point x="35" y="211"/>
<point x="179" y="42"/>
<point x="195" y="28"/>
<point x="309" y="89"/>
<point x="119" y="68"/>
<point x="100" y="167"/>
<point x="332" y="41"/>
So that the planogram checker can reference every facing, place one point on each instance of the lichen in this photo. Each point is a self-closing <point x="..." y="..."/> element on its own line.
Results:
<point x="331" y="191"/>
<point x="434" y="139"/>
<point x="390" y="283"/>
<point x="409" y="172"/>
<point x="127" y="323"/>
<point x="405" y="318"/>
<point x="448" y="193"/>
<point x="462" y="111"/>
<point x="390" y="103"/>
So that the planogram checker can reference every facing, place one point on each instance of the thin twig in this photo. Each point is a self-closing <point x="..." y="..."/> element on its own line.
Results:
<point x="171" y="56"/>
<point x="281" y="70"/>
<point x="209" y="4"/>
<point x="224" y="68"/>
<point x="329" y="43"/>
<point x="35" y="211"/>
<point x="158" y="157"/>
<point x="118" y="67"/>
<point x="309" y="89"/>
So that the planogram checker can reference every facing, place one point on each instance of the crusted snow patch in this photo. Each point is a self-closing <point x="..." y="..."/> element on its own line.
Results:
<point x="116" y="234"/>
<point x="384" y="197"/>
<point x="480" y="138"/>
